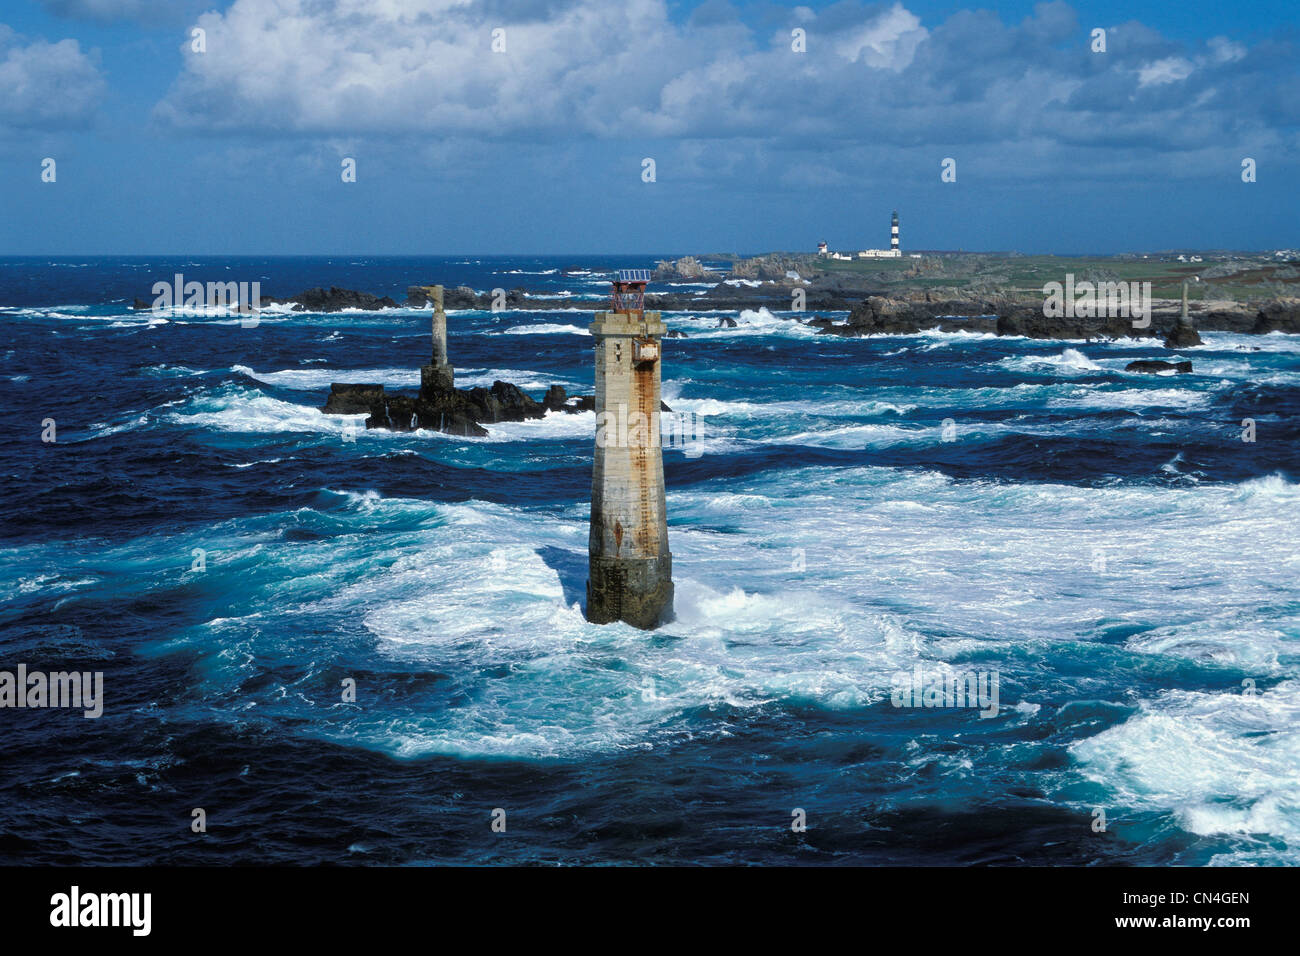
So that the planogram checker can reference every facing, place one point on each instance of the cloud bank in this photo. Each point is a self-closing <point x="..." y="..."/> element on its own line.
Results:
<point x="592" y="68"/>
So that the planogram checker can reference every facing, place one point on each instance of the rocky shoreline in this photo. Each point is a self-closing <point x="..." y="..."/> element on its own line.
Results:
<point x="440" y="406"/>
<point x="870" y="311"/>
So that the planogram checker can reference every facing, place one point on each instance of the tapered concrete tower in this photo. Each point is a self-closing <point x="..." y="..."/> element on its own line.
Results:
<point x="631" y="568"/>
<point x="438" y="375"/>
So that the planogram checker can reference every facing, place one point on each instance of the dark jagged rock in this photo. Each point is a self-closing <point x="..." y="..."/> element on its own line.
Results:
<point x="555" y="398"/>
<point x="335" y="299"/>
<point x="727" y="322"/>
<point x="1183" y="335"/>
<point x="674" y="334"/>
<point x="421" y="296"/>
<point x="879" y="316"/>
<point x="439" y="407"/>
<point x="463" y="297"/>
<point x="1033" y="324"/>
<point x="1155" y="366"/>
<point x="352" y="399"/>
<point x="140" y="305"/>
<point x="504" y="402"/>
<point x="828" y="327"/>
<point x="1277" y="317"/>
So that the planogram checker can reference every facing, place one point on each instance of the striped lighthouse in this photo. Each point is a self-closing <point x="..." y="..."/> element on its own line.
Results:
<point x="893" y="233"/>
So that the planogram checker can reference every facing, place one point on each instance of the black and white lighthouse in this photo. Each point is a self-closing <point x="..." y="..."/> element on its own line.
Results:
<point x="893" y="234"/>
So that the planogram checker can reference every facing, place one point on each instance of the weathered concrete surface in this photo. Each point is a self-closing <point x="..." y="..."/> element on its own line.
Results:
<point x="630" y="564"/>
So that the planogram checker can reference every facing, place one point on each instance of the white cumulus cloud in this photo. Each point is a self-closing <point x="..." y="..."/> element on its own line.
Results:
<point x="47" y="85"/>
<point x="888" y="41"/>
<point x="1169" y="70"/>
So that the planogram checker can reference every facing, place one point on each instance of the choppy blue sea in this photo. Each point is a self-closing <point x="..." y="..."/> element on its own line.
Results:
<point x="1103" y="541"/>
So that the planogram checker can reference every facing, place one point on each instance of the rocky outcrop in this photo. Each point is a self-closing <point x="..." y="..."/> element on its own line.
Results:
<point x="880" y="316"/>
<point x="1278" y="316"/>
<point x="1031" y="323"/>
<point x="460" y="412"/>
<point x="1156" y="366"/>
<point x="773" y="267"/>
<point x="439" y="407"/>
<point x="1183" y="335"/>
<point x="352" y="399"/>
<point x="687" y="268"/>
<point x="332" y="299"/>
<point x="461" y="297"/>
<point x="727" y="322"/>
<point x="335" y="299"/>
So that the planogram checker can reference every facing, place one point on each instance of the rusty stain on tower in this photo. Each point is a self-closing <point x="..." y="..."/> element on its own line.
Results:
<point x="630" y="565"/>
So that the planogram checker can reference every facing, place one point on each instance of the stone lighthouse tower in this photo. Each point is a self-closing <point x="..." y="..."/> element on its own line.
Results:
<point x="631" y="567"/>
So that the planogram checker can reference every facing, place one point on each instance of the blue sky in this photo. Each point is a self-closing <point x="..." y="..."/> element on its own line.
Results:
<point x="540" y="148"/>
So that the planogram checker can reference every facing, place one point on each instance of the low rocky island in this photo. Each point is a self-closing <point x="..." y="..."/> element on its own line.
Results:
<point x="439" y="405"/>
<point x="332" y="299"/>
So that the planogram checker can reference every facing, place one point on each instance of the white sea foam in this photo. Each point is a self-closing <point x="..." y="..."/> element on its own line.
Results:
<point x="552" y="425"/>
<point x="782" y="584"/>
<point x="1224" y="763"/>
<point x="546" y="328"/>
<point x="527" y="379"/>
<point x="1109" y="397"/>
<point x="242" y="410"/>
<point x="1069" y="361"/>
<point x="749" y="322"/>
<point x="316" y="379"/>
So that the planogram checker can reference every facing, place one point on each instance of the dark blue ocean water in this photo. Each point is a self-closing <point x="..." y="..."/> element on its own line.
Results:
<point x="1104" y="542"/>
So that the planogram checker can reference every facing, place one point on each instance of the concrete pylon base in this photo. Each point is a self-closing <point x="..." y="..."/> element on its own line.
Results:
<point x="436" y="378"/>
<point x="638" y="591"/>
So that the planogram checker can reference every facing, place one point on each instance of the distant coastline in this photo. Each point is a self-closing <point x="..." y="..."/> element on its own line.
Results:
<point x="949" y="292"/>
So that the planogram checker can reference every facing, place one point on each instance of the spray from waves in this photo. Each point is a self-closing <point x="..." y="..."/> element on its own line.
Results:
<point x="748" y="322"/>
<point x="526" y="379"/>
<point x="545" y="328"/>
<point x="435" y="595"/>
<point x="1223" y="763"/>
<point x="322" y="378"/>
<point x="1069" y="361"/>
<point x="445" y="604"/>
<point x="877" y="435"/>
<point x="466" y="617"/>
<point x="235" y="408"/>
<point x="719" y="408"/>
<point x="241" y="410"/>
<point x="1271" y="342"/>
<point x="1104" y="397"/>
<point x="173" y="371"/>
<point x="550" y="426"/>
